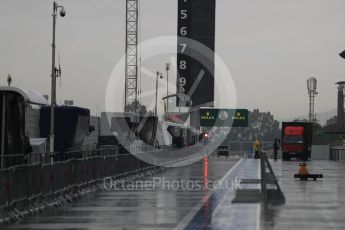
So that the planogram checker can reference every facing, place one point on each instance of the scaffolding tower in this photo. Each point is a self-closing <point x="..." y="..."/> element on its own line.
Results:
<point x="131" y="71"/>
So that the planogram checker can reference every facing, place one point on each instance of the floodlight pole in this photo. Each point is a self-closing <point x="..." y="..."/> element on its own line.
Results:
<point x="167" y="67"/>
<point x="53" y="84"/>
<point x="157" y="74"/>
<point x="311" y="85"/>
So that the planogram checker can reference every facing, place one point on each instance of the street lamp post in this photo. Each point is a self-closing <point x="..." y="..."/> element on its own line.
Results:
<point x="158" y="74"/>
<point x="167" y="67"/>
<point x="53" y="76"/>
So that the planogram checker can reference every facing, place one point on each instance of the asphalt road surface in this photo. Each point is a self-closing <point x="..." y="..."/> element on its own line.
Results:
<point x="161" y="207"/>
<point x="309" y="204"/>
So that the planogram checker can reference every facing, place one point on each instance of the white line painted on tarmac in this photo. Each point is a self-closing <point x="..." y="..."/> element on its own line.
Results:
<point x="184" y="223"/>
<point x="258" y="207"/>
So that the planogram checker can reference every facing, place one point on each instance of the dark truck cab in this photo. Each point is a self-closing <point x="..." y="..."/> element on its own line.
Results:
<point x="296" y="140"/>
<point x="223" y="150"/>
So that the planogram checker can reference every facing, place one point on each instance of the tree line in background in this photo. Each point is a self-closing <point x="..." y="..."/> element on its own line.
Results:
<point x="322" y="135"/>
<point x="140" y="109"/>
<point x="264" y="127"/>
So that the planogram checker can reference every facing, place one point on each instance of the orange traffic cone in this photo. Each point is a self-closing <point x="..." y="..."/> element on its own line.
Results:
<point x="304" y="174"/>
<point x="303" y="170"/>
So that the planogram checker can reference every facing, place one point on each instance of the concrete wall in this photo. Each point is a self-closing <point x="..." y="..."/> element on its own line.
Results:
<point x="320" y="152"/>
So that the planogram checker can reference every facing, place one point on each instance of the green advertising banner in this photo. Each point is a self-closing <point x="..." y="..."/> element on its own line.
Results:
<point x="211" y="117"/>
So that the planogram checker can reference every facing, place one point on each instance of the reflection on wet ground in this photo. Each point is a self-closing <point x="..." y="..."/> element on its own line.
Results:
<point x="160" y="208"/>
<point x="309" y="204"/>
<point x="220" y="213"/>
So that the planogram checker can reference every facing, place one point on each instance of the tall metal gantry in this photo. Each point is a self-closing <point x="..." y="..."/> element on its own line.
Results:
<point x="131" y="71"/>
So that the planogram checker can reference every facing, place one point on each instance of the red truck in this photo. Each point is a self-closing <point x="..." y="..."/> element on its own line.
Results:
<point x="296" y="140"/>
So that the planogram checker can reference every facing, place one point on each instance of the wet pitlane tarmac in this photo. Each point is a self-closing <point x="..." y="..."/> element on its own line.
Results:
<point x="219" y="212"/>
<point x="162" y="203"/>
<point x="309" y="204"/>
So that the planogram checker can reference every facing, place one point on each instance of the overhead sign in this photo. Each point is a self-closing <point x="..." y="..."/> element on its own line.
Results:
<point x="210" y="117"/>
<point x="196" y="22"/>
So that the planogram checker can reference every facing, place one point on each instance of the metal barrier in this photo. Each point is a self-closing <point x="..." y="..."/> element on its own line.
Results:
<point x="248" y="146"/>
<point x="41" y="177"/>
<point x="270" y="192"/>
<point x="4" y="188"/>
<point x="337" y="153"/>
<point x="23" y="184"/>
<point x="275" y="196"/>
<point x="11" y="160"/>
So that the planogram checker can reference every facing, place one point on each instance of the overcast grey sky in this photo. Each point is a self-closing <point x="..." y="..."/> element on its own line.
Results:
<point x="270" y="46"/>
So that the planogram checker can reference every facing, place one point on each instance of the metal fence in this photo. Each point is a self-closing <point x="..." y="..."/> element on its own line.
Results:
<point x="11" y="160"/>
<point x="248" y="146"/>
<point x="24" y="184"/>
<point x="337" y="153"/>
